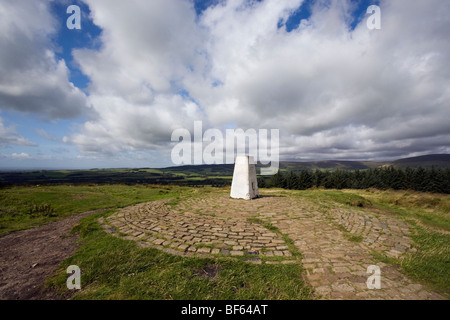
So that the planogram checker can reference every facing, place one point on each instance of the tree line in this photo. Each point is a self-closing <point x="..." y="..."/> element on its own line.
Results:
<point x="436" y="180"/>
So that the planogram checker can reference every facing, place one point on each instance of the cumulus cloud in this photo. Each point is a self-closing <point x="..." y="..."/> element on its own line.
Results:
<point x="21" y="156"/>
<point x="124" y="126"/>
<point x="136" y="77"/>
<point x="332" y="87"/>
<point x="32" y="79"/>
<point x="9" y="136"/>
<point x="333" y="91"/>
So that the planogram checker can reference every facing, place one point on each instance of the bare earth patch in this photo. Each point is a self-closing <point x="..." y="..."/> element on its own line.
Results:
<point x="28" y="257"/>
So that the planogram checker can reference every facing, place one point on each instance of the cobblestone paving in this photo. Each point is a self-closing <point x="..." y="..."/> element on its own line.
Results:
<point x="199" y="229"/>
<point x="336" y="244"/>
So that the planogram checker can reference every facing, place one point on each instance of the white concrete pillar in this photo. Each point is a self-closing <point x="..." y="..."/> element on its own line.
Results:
<point x="244" y="184"/>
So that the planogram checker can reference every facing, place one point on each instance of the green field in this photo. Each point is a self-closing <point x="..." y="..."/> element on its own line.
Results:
<point x="185" y="176"/>
<point x="25" y="207"/>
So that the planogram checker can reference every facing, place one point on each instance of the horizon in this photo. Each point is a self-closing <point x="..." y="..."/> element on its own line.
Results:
<point x="8" y="169"/>
<point x="109" y="92"/>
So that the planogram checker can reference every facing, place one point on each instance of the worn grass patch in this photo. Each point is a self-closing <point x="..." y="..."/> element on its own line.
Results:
<point x="355" y="238"/>
<point x="289" y="242"/>
<point x="347" y="235"/>
<point x="255" y="220"/>
<point x="269" y="226"/>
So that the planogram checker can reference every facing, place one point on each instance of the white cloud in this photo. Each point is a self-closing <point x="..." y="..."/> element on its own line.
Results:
<point x="21" y="156"/>
<point x="9" y="136"/>
<point x="136" y="74"/>
<point x="333" y="92"/>
<point x="32" y="80"/>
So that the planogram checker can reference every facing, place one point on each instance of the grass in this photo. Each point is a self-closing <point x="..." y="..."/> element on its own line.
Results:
<point x="26" y="207"/>
<point x="432" y="259"/>
<point x="355" y="238"/>
<point x="345" y="198"/>
<point x="348" y="235"/>
<point x="113" y="268"/>
<point x="269" y="226"/>
<point x="255" y="220"/>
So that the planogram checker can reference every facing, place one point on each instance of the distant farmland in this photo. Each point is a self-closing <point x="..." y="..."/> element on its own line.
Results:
<point x="200" y="175"/>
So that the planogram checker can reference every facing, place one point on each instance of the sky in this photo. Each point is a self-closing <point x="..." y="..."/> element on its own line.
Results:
<point x="110" y="94"/>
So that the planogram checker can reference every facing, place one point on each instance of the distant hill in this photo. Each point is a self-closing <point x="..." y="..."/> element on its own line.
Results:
<point x="428" y="161"/>
<point x="209" y="169"/>
<point x="227" y="169"/>
<point x="330" y="164"/>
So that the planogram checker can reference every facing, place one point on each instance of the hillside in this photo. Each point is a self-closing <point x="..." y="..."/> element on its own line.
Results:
<point x="330" y="164"/>
<point x="428" y="161"/>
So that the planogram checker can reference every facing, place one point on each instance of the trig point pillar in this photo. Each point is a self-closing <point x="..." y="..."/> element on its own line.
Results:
<point x="244" y="185"/>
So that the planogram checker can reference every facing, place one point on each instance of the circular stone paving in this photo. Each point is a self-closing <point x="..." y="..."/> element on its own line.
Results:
<point x="389" y="236"/>
<point x="334" y="243"/>
<point x="200" y="227"/>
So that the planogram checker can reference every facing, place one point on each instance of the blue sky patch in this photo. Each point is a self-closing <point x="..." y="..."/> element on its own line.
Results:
<point x="67" y="40"/>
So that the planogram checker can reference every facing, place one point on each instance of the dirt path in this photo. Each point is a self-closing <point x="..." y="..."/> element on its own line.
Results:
<point x="28" y="257"/>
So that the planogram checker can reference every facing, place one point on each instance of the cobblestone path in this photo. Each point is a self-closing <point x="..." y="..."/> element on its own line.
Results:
<point x="336" y="243"/>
